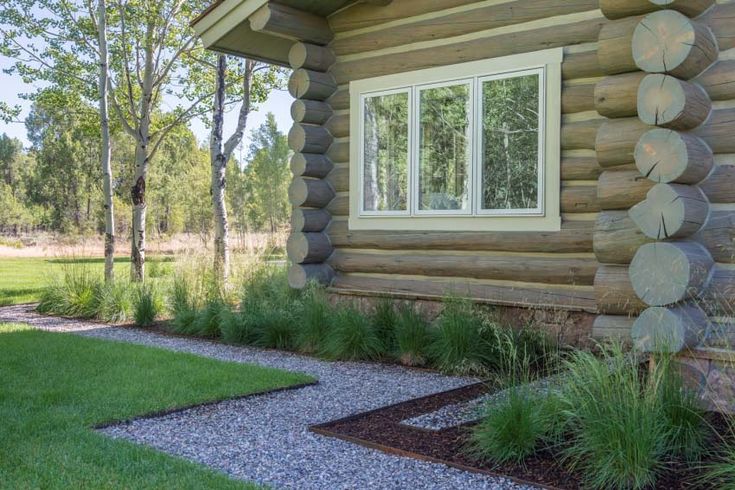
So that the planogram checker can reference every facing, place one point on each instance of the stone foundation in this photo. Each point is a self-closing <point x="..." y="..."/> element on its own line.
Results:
<point x="573" y="328"/>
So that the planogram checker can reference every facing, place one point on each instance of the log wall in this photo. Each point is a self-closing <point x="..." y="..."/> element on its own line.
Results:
<point x="628" y="98"/>
<point x="534" y="269"/>
<point x="665" y="234"/>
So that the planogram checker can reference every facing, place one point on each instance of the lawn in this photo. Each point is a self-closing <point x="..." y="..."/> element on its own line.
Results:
<point x="56" y="387"/>
<point x="23" y="279"/>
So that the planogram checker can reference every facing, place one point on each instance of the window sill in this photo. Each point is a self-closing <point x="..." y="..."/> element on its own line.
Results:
<point x="456" y="223"/>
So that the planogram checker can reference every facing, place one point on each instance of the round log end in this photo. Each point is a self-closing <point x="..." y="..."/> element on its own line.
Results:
<point x="669" y="42"/>
<point x="669" y="330"/>
<point x="670" y="272"/>
<point x="671" y="211"/>
<point x="672" y="103"/>
<point x="300" y="276"/>
<point x="298" y="192"/>
<point x="309" y="220"/>
<point x="308" y="248"/>
<point x="665" y="156"/>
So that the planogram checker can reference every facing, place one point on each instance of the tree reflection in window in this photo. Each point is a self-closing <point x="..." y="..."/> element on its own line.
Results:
<point x="385" y="161"/>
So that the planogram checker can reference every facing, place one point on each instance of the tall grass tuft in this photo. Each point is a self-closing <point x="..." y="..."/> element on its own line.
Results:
<point x="114" y="302"/>
<point x="412" y="337"/>
<point x="515" y="427"/>
<point x="148" y="306"/>
<point x="235" y="329"/>
<point x="352" y="337"/>
<point x="74" y="294"/>
<point x="315" y="322"/>
<point x="459" y="345"/>
<point x="720" y="473"/>
<point x="384" y="318"/>
<point x="625" y="425"/>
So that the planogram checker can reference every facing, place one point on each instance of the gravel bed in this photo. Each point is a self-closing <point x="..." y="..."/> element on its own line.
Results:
<point x="472" y="410"/>
<point x="265" y="438"/>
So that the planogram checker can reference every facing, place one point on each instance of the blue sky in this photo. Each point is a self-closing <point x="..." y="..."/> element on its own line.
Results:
<point x="279" y="104"/>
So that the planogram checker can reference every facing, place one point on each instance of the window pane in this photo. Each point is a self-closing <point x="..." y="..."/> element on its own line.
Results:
<point x="385" y="171"/>
<point x="444" y="148"/>
<point x="510" y="154"/>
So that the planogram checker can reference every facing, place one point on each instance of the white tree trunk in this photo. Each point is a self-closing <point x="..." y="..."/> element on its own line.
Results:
<point x="142" y="158"/>
<point x="219" y="182"/>
<point x="220" y="154"/>
<point x="106" y="153"/>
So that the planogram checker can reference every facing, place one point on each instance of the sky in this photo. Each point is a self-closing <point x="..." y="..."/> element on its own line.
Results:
<point x="279" y="104"/>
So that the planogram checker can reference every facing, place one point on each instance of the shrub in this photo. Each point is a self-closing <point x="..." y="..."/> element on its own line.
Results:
<point x="626" y="425"/>
<point x="384" y="319"/>
<point x="412" y="337"/>
<point x="514" y="427"/>
<point x="148" y="306"/>
<point x="315" y="321"/>
<point x="352" y="337"/>
<point x="459" y="345"/>
<point x="114" y="302"/>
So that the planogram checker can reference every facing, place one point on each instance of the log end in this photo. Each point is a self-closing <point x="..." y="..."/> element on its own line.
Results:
<point x="669" y="330"/>
<point x="300" y="276"/>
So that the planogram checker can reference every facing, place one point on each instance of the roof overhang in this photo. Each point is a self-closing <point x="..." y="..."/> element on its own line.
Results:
<point x="225" y="27"/>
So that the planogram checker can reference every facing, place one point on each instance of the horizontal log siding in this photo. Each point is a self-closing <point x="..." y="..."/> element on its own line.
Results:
<point x="535" y="269"/>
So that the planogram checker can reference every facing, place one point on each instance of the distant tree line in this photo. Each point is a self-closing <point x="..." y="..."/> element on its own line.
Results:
<point x="55" y="183"/>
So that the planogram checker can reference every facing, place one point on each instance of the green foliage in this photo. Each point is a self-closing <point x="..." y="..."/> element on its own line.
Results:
<point x="207" y="321"/>
<point x="315" y="320"/>
<point x="625" y="426"/>
<point x="258" y="191"/>
<point x="384" y="318"/>
<point x="115" y="302"/>
<point x="74" y="294"/>
<point x="148" y="306"/>
<point x="460" y="339"/>
<point x="720" y="473"/>
<point x="56" y="388"/>
<point x="412" y="337"/>
<point x="236" y="328"/>
<point x="353" y="337"/>
<point x="514" y="427"/>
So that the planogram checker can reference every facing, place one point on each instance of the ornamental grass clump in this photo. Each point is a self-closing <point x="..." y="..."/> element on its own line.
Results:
<point x="316" y="317"/>
<point x="114" y="302"/>
<point x="74" y="294"/>
<point x="412" y="337"/>
<point x="626" y="425"/>
<point x="148" y="306"/>
<point x="353" y="337"/>
<point x="515" y="427"/>
<point x="384" y="319"/>
<point x="459" y="344"/>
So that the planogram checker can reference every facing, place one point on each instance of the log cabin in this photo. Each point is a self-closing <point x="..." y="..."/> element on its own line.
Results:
<point x="571" y="158"/>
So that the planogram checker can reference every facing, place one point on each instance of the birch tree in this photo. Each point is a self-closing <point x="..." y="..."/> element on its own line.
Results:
<point x="153" y="49"/>
<point x="65" y="43"/>
<point x="256" y="82"/>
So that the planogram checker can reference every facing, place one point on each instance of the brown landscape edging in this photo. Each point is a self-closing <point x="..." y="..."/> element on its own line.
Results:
<point x="321" y="429"/>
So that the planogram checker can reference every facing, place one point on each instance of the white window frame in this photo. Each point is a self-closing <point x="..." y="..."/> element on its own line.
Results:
<point x="415" y="152"/>
<point x="546" y="217"/>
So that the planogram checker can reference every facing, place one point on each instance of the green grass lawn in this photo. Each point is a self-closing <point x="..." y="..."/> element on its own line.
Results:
<point x="23" y="279"/>
<point x="55" y="387"/>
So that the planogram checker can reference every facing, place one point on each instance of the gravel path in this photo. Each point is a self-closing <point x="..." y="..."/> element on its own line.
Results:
<point x="265" y="438"/>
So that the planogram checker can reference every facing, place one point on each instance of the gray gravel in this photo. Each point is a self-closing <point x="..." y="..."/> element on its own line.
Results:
<point x="265" y="438"/>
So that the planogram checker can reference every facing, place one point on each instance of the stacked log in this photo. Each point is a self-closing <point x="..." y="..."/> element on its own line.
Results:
<point x="312" y="140"/>
<point x="667" y="242"/>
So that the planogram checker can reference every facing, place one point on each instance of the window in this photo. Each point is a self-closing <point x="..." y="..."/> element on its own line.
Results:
<point x="473" y="146"/>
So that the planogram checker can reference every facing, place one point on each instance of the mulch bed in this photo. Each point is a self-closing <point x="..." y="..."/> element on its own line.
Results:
<point x="381" y="429"/>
